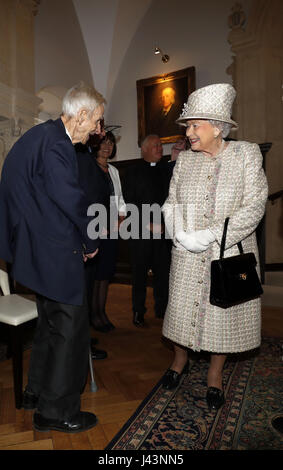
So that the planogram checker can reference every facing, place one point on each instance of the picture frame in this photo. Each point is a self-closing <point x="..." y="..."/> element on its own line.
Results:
<point x="167" y="92"/>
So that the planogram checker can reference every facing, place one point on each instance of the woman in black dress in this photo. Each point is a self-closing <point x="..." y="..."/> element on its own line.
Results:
<point x="101" y="182"/>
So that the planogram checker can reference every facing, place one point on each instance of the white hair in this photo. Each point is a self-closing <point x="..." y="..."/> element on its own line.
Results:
<point x="81" y="96"/>
<point x="224" y="127"/>
<point x="145" y="141"/>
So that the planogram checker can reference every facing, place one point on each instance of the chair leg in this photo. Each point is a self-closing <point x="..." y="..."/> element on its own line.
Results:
<point x="93" y="386"/>
<point x="17" y="360"/>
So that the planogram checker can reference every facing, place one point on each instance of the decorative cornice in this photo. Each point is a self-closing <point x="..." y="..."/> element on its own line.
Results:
<point x="263" y="27"/>
<point x="35" y="6"/>
<point x="17" y="102"/>
<point x="237" y="19"/>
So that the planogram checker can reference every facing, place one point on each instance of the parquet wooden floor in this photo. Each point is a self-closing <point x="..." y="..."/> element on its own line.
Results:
<point x="136" y="360"/>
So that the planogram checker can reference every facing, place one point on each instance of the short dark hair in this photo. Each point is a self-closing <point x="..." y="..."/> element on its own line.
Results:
<point x="109" y="136"/>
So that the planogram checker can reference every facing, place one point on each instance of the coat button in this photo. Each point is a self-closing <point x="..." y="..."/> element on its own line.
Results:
<point x="75" y="252"/>
<point x="196" y="304"/>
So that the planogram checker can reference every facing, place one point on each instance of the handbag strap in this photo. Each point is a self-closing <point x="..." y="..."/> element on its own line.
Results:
<point x="223" y="241"/>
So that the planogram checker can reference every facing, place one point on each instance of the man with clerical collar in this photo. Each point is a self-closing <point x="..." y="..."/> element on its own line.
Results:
<point x="145" y="185"/>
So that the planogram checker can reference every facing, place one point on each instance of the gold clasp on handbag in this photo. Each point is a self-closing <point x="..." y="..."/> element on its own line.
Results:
<point x="243" y="276"/>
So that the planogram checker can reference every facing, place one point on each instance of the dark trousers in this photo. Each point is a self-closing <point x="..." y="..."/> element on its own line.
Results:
<point x="59" y="358"/>
<point x="154" y="255"/>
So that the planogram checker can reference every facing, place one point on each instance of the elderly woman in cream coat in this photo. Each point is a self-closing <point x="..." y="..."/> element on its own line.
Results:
<point x="213" y="180"/>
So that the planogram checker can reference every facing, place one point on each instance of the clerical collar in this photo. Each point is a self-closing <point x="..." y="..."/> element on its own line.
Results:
<point x="152" y="163"/>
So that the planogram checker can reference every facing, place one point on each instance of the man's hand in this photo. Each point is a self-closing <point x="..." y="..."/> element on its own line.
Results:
<point x="90" y="255"/>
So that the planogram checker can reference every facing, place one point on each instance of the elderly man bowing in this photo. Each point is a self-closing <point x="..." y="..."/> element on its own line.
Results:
<point x="43" y="220"/>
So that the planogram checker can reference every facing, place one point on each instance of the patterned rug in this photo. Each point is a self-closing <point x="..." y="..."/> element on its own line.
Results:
<point x="180" y="420"/>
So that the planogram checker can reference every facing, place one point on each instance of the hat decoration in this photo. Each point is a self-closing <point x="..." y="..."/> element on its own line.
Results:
<point x="213" y="102"/>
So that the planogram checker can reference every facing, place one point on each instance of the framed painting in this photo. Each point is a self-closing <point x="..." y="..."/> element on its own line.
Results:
<point x="160" y="103"/>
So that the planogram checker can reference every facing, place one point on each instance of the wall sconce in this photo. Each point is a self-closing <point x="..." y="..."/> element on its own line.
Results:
<point x="164" y="57"/>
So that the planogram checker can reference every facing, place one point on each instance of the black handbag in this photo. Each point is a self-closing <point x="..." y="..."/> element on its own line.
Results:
<point x="234" y="280"/>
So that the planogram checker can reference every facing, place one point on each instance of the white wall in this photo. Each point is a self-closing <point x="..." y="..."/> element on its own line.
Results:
<point x="97" y="20"/>
<point x="111" y="44"/>
<point x="129" y="15"/>
<point x="192" y="34"/>
<point x="61" y="58"/>
<point x="82" y="40"/>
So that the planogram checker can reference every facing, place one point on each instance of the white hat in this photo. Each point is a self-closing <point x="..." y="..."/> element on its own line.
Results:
<point x="210" y="102"/>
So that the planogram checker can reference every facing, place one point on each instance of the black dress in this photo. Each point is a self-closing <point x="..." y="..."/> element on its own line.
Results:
<point x="105" y="261"/>
<point x="99" y="188"/>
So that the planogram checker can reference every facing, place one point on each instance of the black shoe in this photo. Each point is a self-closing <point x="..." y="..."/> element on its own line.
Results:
<point x="103" y="329"/>
<point x="93" y="341"/>
<point x="98" y="353"/>
<point x="159" y="314"/>
<point x="81" y="422"/>
<point x="30" y="400"/>
<point x="277" y="423"/>
<point x="138" y="319"/>
<point x="111" y="326"/>
<point x="171" y="378"/>
<point x="215" y="398"/>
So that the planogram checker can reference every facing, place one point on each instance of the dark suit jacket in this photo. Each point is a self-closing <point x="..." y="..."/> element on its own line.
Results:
<point x="146" y="184"/>
<point x="91" y="178"/>
<point x="43" y="214"/>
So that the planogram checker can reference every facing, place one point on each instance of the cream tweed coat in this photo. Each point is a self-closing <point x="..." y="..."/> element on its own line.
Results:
<point x="203" y="192"/>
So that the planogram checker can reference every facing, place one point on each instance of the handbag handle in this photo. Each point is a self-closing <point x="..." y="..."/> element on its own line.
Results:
<point x="223" y="241"/>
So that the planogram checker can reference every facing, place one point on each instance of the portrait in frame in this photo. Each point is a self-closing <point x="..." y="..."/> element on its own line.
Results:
<point x="160" y="103"/>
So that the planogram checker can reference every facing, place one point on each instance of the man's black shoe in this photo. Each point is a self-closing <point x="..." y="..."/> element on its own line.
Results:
<point x="30" y="400"/>
<point x="93" y="341"/>
<point x="111" y="326"/>
<point x="81" y="422"/>
<point x="98" y="353"/>
<point x="103" y="329"/>
<point x="138" y="319"/>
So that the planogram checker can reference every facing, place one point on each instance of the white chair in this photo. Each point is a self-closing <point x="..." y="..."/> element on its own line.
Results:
<point x="15" y="310"/>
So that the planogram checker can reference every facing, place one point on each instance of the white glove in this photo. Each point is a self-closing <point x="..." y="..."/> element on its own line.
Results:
<point x="196" y="242"/>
